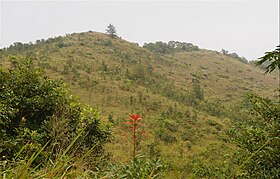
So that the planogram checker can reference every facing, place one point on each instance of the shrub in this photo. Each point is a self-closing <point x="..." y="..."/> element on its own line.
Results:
<point x="171" y="125"/>
<point x="213" y="107"/>
<point x="214" y="124"/>
<point x="197" y="90"/>
<point x="140" y="167"/>
<point x="165" y="136"/>
<point x="35" y="110"/>
<point x="258" y="139"/>
<point x="170" y="47"/>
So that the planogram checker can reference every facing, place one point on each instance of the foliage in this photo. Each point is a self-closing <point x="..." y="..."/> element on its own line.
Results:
<point x="258" y="139"/>
<point x="111" y="30"/>
<point x="197" y="90"/>
<point x="165" y="136"/>
<point x="121" y="77"/>
<point x="234" y="55"/>
<point x="170" y="47"/>
<point x="140" y="167"/>
<point x="35" y="110"/>
<point x="213" y="107"/>
<point x="143" y="168"/>
<point x="273" y="57"/>
<point x="134" y="123"/>
<point x="137" y="73"/>
<point x="66" y="165"/>
<point x="215" y="162"/>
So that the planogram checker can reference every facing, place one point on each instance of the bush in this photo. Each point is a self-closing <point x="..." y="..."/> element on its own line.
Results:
<point x="170" y="47"/>
<point x="213" y="107"/>
<point x="214" y="162"/>
<point x="171" y="125"/>
<point x="35" y="110"/>
<point x="140" y="167"/>
<point x="165" y="136"/>
<point x="258" y="139"/>
<point x="214" y="124"/>
<point x="189" y="135"/>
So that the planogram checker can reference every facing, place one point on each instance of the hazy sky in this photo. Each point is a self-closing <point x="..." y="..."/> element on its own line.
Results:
<point x="247" y="27"/>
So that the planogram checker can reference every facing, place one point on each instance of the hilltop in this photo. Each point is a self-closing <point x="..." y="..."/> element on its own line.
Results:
<point x="185" y="95"/>
<point x="92" y="56"/>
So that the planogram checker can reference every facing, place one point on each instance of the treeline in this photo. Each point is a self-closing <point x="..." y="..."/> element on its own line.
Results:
<point x="19" y="46"/>
<point x="170" y="47"/>
<point x="234" y="55"/>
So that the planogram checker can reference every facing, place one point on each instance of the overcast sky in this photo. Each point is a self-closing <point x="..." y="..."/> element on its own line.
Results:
<point x="247" y="27"/>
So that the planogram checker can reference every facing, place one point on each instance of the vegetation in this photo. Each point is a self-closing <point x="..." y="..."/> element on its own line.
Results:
<point x="197" y="121"/>
<point x="273" y="57"/>
<point x="258" y="138"/>
<point x="111" y="30"/>
<point x="170" y="47"/>
<point x="134" y="124"/>
<point x="40" y="120"/>
<point x="235" y="56"/>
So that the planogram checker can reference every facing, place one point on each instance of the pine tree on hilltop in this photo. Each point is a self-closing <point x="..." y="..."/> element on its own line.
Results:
<point x="111" y="30"/>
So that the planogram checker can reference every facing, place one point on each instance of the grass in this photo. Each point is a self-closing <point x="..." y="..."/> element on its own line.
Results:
<point x="98" y="69"/>
<point x="65" y="166"/>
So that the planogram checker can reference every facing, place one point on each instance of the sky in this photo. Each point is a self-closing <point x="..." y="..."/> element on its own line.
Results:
<point x="246" y="27"/>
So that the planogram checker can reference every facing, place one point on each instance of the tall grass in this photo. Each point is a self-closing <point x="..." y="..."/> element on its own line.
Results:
<point x="65" y="166"/>
<point x="69" y="166"/>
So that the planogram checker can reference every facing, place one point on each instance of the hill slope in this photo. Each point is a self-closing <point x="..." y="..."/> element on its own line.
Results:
<point x="182" y="96"/>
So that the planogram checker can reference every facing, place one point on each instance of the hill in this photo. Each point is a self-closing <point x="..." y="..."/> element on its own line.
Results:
<point x="186" y="96"/>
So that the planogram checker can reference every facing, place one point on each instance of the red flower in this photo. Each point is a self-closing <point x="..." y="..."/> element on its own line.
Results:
<point x="134" y="124"/>
<point x="135" y="118"/>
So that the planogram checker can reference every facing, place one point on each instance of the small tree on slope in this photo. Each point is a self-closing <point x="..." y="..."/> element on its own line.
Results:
<point x="111" y="30"/>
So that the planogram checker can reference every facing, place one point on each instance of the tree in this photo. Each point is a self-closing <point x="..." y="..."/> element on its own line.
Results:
<point x="224" y="51"/>
<point x="258" y="139"/>
<point x="274" y="57"/>
<point x="111" y="30"/>
<point x="258" y="135"/>
<point x="198" y="92"/>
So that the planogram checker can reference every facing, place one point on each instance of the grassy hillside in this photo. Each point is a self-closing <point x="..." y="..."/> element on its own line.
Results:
<point x="186" y="98"/>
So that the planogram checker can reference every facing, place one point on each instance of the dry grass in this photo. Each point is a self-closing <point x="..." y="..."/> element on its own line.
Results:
<point x="87" y="53"/>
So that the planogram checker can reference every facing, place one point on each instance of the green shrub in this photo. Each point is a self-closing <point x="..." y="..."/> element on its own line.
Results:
<point x="35" y="110"/>
<point x="170" y="47"/>
<point x="213" y="107"/>
<point x="141" y="167"/>
<point x="171" y="125"/>
<point x="189" y="135"/>
<point x="214" y="162"/>
<point x="258" y="139"/>
<point x="165" y="136"/>
<point x="214" y="124"/>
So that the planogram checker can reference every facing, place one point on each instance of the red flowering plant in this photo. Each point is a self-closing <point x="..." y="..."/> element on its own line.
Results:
<point x="134" y="123"/>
